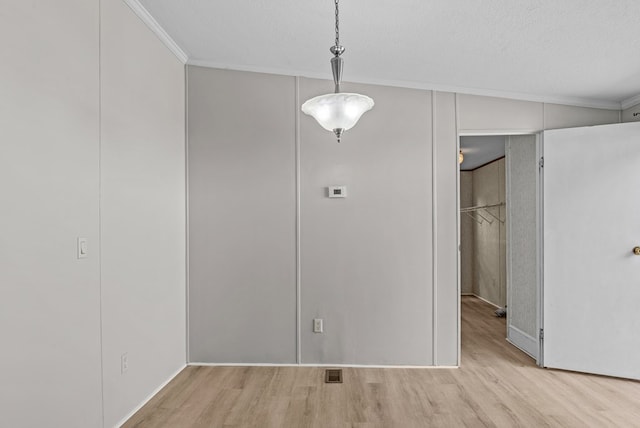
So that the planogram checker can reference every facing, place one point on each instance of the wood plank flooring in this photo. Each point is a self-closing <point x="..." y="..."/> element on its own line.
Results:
<point x="496" y="386"/>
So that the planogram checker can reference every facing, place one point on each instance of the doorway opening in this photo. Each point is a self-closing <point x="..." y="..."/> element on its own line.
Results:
<point x="498" y="235"/>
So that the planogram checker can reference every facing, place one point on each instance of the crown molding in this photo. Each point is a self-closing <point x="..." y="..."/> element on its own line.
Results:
<point x="157" y="29"/>
<point x="549" y="99"/>
<point x="630" y="102"/>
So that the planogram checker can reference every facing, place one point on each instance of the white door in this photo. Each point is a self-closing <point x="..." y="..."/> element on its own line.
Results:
<point x="591" y="215"/>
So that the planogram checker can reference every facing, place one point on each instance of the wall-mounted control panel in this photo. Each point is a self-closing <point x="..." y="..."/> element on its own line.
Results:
<point x="337" y="191"/>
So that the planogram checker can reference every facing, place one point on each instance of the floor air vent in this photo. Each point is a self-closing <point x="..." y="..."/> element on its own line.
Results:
<point x="333" y="376"/>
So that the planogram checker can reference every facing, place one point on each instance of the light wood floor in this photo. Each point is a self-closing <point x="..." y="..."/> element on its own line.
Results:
<point x="496" y="386"/>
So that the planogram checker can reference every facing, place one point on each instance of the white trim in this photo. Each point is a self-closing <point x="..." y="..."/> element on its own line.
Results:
<point x="552" y="99"/>
<point x="630" y="102"/>
<point x="522" y="341"/>
<point x="505" y="132"/>
<point x="157" y="29"/>
<point x="355" y="366"/>
<point x="486" y="301"/>
<point x="509" y="237"/>
<point x="149" y="397"/>
<point x="540" y="255"/>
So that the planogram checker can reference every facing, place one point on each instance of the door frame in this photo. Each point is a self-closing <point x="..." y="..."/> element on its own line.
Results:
<point x="540" y="245"/>
<point x="539" y="226"/>
<point x="539" y="233"/>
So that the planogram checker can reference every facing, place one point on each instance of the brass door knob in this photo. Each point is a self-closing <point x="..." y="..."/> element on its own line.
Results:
<point x="636" y="251"/>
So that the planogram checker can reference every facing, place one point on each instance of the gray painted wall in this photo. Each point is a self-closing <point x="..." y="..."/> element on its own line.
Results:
<point x="489" y="115"/>
<point x="366" y="262"/>
<point x="242" y="217"/>
<point x="478" y="115"/>
<point x="380" y="267"/>
<point x="560" y="116"/>
<point x="120" y="185"/>
<point x="446" y="251"/>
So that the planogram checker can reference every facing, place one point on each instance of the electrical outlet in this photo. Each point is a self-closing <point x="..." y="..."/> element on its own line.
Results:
<point x="318" y="326"/>
<point x="124" y="363"/>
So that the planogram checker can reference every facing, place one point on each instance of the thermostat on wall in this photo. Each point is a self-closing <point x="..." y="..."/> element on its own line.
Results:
<point x="337" y="191"/>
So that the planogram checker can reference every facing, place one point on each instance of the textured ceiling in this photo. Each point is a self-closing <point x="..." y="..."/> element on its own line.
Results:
<point x="584" y="52"/>
<point x="481" y="150"/>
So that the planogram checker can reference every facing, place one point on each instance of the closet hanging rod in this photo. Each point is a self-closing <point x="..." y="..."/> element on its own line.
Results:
<point x="473" y="218"/>
<point x="481" y="207"/>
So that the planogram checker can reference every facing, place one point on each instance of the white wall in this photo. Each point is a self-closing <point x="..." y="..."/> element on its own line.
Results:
<point x="61" y="174"/>
<point x="49" y="180"/>
<point x="142" y="210"/>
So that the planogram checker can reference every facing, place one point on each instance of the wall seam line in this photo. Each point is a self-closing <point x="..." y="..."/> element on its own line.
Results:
<point x="434" y="235"/>
<point x="297" y="225"/>
<point x="186" y="208"/>
<point x="458" y="231"/>
<point x="100" y="207"/>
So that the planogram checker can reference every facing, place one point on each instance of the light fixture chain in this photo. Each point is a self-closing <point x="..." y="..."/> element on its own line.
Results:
<point x="337" y="25"/>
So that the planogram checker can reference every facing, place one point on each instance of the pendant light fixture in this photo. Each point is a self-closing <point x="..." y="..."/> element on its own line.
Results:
<point x="340" y="111"/>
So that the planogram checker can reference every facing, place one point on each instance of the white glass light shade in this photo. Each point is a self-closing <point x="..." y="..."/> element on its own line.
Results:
<point x="337" y="111"/>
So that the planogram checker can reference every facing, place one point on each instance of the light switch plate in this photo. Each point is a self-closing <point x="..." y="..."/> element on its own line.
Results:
<point x="83" y="248"/>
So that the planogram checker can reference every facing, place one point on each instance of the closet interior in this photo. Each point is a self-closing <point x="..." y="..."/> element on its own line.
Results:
<point x="483" y="220"/>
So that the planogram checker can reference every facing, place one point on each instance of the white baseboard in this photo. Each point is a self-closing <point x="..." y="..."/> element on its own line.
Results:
<point x="483" y="299"/>
<point x="149" y="397"/>
<point x="522" y="341"/>
<point x="357" y="366"/>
